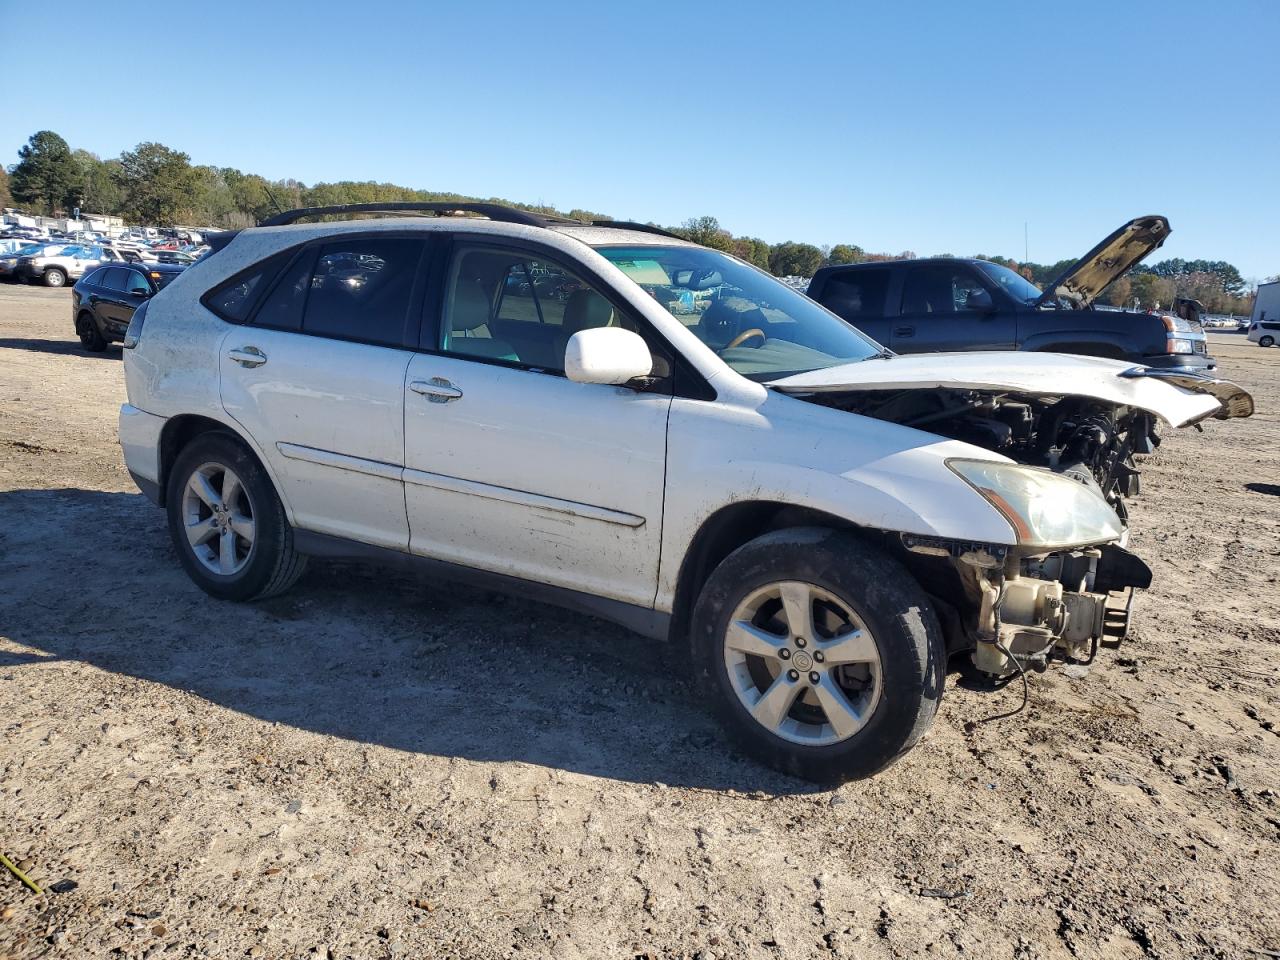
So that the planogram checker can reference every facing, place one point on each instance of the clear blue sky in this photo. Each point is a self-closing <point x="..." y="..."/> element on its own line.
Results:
<point x="934" y="127"/>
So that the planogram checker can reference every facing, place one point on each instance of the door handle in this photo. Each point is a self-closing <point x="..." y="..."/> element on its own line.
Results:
<point x="905" y="332"/>
<point x="248" y="356"/>
<point x="436" y="390"/>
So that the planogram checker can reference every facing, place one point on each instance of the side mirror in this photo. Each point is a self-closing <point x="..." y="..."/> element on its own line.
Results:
<point x="606" y="355"/>
<point x="140" y="294"/>
<point x="979" y="301"/>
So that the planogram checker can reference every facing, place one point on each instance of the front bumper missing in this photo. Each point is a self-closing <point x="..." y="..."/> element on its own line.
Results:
<point x="1064" y="604"/>
<point x="1025" y="610"/>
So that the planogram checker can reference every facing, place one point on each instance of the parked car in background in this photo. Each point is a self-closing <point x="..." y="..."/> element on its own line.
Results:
<point x="55" y="267"/>
<point x="9" y="262"/>
<point x="818" y="525"/>
<point x="1264" y="322"/>
<point x="174" y="256"/>
<point x="948" y="304"/>
<point x="10" y="245"/>
<point x="104" y="301"/>
<point x="1265" y="333"/>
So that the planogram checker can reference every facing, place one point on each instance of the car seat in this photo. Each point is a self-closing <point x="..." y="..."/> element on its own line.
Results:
<point x="469" y="313"/>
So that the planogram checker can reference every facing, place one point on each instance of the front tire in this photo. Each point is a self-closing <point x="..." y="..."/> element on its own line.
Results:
<point x="227" y="523"/>
<point x="91" y="337"/>
<point x="53" y="277"/>
<point x="1267" y="341"/>
<point x="822" y="654"/>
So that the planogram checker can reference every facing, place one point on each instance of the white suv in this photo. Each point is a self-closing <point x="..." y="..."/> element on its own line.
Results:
<point x="608" y="417"/>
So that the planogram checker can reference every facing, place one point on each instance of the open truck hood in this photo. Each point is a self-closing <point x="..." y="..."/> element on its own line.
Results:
<point x="1089" y="276"/>
<point x="1178" y="398"/>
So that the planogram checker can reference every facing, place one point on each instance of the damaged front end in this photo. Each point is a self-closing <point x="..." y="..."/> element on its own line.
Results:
<point x="1029" y="606"/>
<point x="1069" y="433"/>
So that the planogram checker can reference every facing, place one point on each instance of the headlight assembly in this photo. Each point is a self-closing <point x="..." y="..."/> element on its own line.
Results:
<point x="1045" y="509"/>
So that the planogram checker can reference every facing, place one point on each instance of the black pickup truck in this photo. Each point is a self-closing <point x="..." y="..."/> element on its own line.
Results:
<point x="947" y="303"/>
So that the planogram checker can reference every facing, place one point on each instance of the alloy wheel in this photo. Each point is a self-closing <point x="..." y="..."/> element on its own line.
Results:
<point x="218" y="517"/>
<point x="802" y="663"/>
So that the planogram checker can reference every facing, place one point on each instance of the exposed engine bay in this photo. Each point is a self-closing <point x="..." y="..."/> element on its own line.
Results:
<point x="1016" y="608"/>
<point x="1090" y="440"/>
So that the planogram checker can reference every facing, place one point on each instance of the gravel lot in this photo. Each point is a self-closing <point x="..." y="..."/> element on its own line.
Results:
<point x="374" y="766"/>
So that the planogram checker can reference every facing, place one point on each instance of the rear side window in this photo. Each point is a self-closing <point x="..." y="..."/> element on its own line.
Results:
<point x="856" y="293"/>
<point x="114" y="278"/>
<point x="234" y="299"/>
<point x="96" y="278"/>
<point x="361" y="289"/>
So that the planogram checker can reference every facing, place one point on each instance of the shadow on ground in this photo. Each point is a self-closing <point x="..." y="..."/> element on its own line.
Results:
<point x="358" y="651"/>
<point x="59" y="347"/>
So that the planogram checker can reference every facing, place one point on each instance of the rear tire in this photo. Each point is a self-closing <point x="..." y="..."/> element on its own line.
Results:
<point x="227" y="522"/>
<point x="1266" y="341"/>
<point x="54" y="277"/>
<point x="855" y="710"/>
<point x="91" y="337"/>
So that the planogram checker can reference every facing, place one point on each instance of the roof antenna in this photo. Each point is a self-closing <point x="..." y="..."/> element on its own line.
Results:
<point x="272" y="197"/>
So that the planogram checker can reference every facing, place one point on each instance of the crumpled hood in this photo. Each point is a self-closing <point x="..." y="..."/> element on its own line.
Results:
<point x="1189" y="399"/>
<point x="1089" y="276"/>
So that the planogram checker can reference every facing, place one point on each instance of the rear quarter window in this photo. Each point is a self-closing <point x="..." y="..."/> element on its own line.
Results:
<point x="233" y="299"/>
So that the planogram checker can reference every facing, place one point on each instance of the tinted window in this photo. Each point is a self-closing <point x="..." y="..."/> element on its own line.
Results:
<point x="136" y="281"/>
<point x="282" y="309"/>
<point x="96" y="278"/>
<point x="856" y="293"/>
<point x="233" y="299"/>
<point x="941" y="288"/>
<point x="361" y="288"/>
<point x="114" y="278"/>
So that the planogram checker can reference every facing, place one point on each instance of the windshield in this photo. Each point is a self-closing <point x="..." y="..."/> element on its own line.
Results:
<point x="1018" y="286"/>
<point x="759" y="326"/>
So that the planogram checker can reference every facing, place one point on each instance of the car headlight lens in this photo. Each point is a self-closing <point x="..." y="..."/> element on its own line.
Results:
<point x="1178" y="345"/>
<point x="1045" y="509"/>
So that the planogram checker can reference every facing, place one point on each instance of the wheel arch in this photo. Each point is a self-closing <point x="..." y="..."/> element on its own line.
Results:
<point x="179" y="431"/>
<point x="729" y="528"/>
<point x="1082" y="344"/>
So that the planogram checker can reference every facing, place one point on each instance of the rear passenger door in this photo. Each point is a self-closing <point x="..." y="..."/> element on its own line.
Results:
<point x="940" y="312"/>
<point x="315" y="373"/>
<point x="109" y="297"/>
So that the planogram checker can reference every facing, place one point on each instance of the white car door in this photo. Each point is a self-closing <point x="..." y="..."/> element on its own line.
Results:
<point x="512" y="468"/>
<point x="317" y="379"/>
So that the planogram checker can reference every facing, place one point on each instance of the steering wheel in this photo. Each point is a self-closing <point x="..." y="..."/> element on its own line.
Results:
<point x="746" y="335"/>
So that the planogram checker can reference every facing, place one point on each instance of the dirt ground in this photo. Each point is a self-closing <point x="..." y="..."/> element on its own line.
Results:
<point x="374" y="766"/>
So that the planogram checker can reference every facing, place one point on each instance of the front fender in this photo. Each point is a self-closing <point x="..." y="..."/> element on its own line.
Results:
<point x="867" y="472"/>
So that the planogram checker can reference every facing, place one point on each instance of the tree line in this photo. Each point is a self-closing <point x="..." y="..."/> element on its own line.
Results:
<point x="154" y="184"/>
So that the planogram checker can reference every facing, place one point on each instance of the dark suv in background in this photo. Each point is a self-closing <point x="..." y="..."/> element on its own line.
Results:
<point x="103" y="302"/>
<point x="948" y="303"/>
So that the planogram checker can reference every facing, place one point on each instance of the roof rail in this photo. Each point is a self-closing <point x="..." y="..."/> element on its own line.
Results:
<point x="494" y="211"/>
<point x="635" y="225"/>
